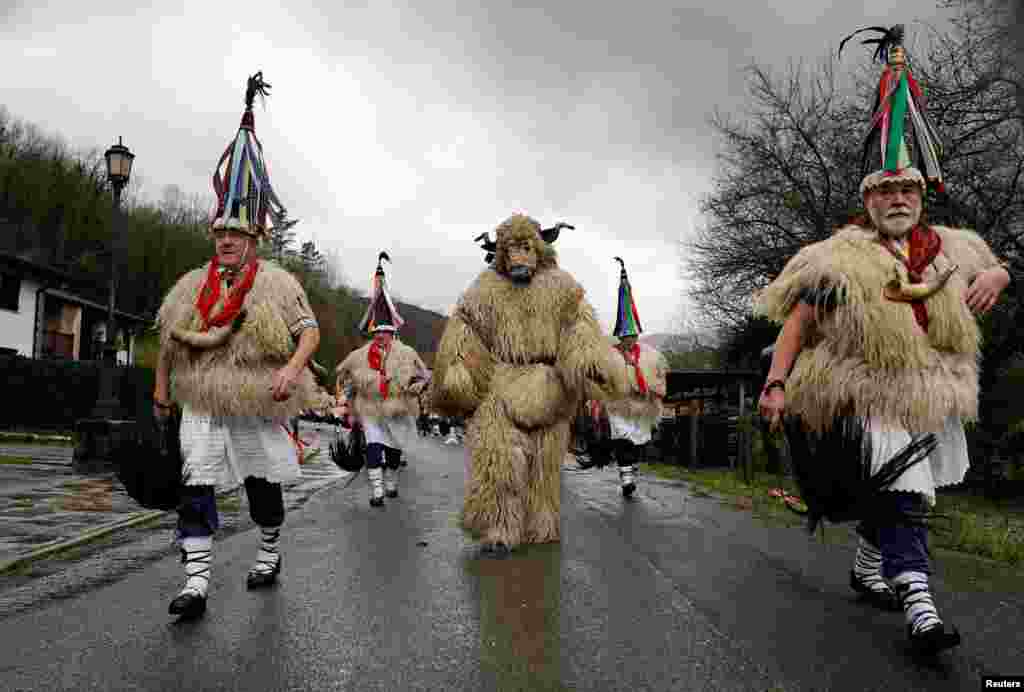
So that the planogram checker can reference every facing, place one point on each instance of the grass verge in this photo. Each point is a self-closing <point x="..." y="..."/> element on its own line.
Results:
<point x="14" y="460"/>
<point x="965" y="523"/>
<point x="36" y="438"/>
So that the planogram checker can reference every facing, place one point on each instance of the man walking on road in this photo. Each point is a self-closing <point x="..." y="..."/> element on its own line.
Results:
<point x="236" y="336"/>
<point x="386" y="377"/>
<point x="877" y="361"/>
<point x="632" y="419"/>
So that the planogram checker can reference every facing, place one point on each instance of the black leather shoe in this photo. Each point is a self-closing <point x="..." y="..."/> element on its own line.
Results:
<point x="391" y="493"/>
<point x="886" y="600"/>
<point x="188" y="605"/>
<point x="376" y="501"/>
<point x="255" y="579"/>
<point x="933" y="640"/>
<point x="628" y="489"/>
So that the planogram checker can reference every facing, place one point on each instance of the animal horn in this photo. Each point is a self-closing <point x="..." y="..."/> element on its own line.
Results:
<point x="902" y="290"/>
<point x="550" y="235"/>
<point x="218" y="336"/>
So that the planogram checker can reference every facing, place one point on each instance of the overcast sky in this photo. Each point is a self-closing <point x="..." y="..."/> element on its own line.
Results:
<point x="413" y="127"/>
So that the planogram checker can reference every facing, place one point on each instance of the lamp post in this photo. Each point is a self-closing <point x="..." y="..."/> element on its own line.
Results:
<point x="98" y="437"/>
<point x="119" y="170"/>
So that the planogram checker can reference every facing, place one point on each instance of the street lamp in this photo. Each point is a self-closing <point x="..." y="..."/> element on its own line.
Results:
<point x="99" y="436"/>
<point x="119" y="170"/>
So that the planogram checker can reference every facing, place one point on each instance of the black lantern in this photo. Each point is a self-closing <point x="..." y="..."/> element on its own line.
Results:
<point x="119" y="164"/>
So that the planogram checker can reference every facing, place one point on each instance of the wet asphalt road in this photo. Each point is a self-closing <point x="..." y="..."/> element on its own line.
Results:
<point x="667" y="592"/>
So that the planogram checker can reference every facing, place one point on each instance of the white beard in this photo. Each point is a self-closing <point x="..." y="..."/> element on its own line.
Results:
<point x="894" y="228"/>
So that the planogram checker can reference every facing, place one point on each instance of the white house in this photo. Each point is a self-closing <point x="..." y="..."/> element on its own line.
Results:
<point x="41" y="318"/>
<point x="18" y="312"/>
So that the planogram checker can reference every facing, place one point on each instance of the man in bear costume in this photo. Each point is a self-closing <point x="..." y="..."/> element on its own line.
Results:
<point x="632" y="419"/>
<point x="520" y="351"/>
<point x="386" y="378"/>
<point x="236" y="337"/>
<point x="877" y="361"/>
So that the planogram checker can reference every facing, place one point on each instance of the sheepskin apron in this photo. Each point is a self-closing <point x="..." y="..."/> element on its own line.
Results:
<point x="637" y="431"/>
<point x="225" y="450"/>
<point x="394" y="432"/>
<point x="947" y="465"/>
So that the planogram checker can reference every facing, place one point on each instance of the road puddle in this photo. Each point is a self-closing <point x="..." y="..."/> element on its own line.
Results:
<point x="518" y="613"/>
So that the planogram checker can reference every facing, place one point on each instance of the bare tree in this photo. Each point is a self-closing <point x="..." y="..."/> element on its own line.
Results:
<point x="786" y="177"/>
<point x="789" y="170"/>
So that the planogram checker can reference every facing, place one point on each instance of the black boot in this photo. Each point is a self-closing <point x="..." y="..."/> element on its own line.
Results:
<point x="933" y="640"/>
<point x="188" y="605"/>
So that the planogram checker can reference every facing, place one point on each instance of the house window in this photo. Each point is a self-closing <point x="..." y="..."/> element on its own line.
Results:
<point x="10" y="291"/>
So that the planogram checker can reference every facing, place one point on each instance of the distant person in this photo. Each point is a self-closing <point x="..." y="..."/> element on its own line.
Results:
<point x="236" y="336"/>
<point x="387" y="377"/>
<point x="632" y="419"/>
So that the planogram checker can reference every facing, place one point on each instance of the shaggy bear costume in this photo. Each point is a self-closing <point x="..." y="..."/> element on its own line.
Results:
<point x="520" y="350"/>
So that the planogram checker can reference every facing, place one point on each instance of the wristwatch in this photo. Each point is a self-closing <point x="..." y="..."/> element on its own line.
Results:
<point x="772" y="384"/>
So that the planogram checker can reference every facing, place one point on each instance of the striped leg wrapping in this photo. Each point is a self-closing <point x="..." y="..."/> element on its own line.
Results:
<point x="376" y="482"/>
<point x="195" y="555"/>
<point x="918" y="607"/>
<point x="868" y="567"/>
<point x="267" y="557"/>
<point x="627" y="475"/>
<point x="391" y="479"/>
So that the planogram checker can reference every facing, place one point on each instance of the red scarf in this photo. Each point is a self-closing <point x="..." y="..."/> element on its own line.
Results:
<point x="210" y="294"/>
<point x="376" y="358"/>
<point x="925" y="245"/>
<point x="633" y="358"/>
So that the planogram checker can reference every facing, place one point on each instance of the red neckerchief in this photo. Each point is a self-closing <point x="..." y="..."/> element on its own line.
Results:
<point x="633" y="358"/>
<point x="925" y="245"/>
<point x="376" y="359"/>
<point x="210" y="294"/>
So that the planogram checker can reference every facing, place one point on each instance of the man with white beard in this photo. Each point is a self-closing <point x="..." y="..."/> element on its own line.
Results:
<point x="880" y="340"/>
<point x="876" y="367"/>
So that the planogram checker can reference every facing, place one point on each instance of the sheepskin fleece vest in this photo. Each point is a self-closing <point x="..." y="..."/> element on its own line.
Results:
<point x="638" y="406"/>
<point x="235" y="379"/>
<point x="869" y="352"/>
<point x="401" y="366"/>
